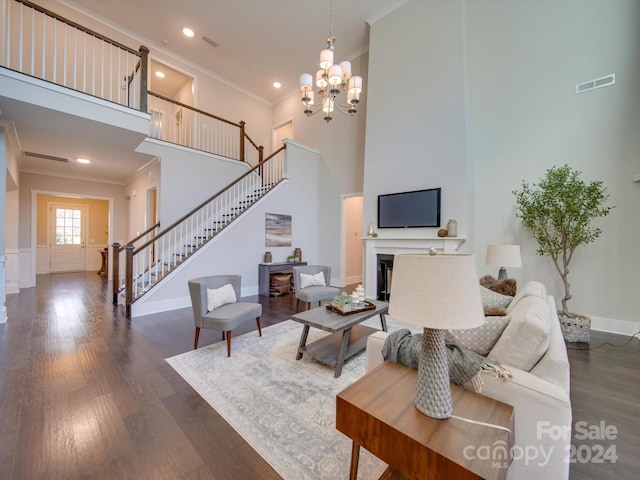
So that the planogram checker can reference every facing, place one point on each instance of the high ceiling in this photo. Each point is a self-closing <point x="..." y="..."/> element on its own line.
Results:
<point x="258" y="41"/>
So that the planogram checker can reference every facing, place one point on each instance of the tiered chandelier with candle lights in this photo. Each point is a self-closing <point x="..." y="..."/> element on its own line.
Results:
<point x="331" y="80"/>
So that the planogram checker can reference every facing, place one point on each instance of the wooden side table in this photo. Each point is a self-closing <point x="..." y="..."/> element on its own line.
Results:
<point x="377" y="413"/>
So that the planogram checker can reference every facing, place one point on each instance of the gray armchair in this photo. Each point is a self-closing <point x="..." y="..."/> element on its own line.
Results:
<point x="315" y="293"/>
<point x="226" y="317"/>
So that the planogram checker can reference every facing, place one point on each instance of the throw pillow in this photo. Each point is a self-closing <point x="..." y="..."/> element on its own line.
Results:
<point x="531" y="289"/>
<point x="526" y="338"/>
<point x="506" y="286"/>
<point x="307" y="280"/>
<point x="480" y="339"/>
<point x="491" y="299"/>
<point x="216" y="297"/>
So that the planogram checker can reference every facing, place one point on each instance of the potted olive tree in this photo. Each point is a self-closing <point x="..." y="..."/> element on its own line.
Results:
<point x="558" y="212"/>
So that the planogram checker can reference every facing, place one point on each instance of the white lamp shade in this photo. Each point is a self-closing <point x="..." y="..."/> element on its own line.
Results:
<point x="326" y="58"/>
<point x="436" y="291"/>
<point x="353" y="98"/>
<point x="335" y="75"/>
<point x="355" y="84"/>
<point x="306" y="82"/>
<point x="321" y="82"/>
<point x="503" y="256"/>
<point x="346" y="69"/>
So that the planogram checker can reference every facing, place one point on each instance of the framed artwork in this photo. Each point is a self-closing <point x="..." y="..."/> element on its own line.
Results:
<point x="277" y="230"/>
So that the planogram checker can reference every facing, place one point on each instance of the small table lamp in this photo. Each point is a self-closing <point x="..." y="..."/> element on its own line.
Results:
<point x="503" y="256"/>
<point x="435" y="292"/>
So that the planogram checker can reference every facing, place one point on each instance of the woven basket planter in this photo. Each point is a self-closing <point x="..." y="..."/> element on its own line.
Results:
<point x="576" y="329"/>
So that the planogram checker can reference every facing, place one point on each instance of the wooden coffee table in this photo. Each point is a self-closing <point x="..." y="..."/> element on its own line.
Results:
<point x="377" y="412"/>
<point x="348" y="336"/>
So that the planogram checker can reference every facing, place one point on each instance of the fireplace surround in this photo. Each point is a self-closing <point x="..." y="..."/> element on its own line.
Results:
<point x="375" y="246"/>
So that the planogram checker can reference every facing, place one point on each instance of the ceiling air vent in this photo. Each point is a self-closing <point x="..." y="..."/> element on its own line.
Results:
<point x="209" y="41"/>
<point x="597" y="83"/>
<point x="47" y="157"/>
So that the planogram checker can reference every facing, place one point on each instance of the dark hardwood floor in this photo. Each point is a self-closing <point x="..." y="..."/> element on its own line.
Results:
<point x="86" y="393"/>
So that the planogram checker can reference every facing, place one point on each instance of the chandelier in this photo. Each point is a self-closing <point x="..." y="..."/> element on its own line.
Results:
<point x="331" y="80"/>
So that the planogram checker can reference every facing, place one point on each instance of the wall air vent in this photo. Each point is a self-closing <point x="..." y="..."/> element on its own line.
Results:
<point x="209" y="41"/>
<point x="597" y="83"/>
<point x="46" y="157"/>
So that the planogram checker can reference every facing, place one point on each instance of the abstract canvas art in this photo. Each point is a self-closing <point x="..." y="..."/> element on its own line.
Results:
<point x="277" y="230"/>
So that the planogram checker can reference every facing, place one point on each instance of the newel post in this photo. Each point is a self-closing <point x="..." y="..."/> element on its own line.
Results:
<point x="242" y="124"/>
<point x="144" y="59"/>
<point x="115" y="270"/>
<point x="128" y="288"/>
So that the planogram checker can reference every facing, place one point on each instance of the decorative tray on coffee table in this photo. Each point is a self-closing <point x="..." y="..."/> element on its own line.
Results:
<point x="354" y="310"/>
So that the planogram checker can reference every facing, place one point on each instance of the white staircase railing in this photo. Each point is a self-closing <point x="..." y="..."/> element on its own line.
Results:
<point x="163" y="251"/>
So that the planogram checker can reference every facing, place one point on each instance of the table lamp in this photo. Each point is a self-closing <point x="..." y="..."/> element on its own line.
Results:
<point x="435" y="292"/>
<point x="503" y="256"/>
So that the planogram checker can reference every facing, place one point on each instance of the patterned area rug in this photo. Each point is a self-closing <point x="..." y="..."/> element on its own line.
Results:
<point x="285" y="409"/>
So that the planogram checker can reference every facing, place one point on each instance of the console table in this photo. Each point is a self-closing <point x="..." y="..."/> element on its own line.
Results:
<point x="265" y="270"/>
<point x="377" y="413"/>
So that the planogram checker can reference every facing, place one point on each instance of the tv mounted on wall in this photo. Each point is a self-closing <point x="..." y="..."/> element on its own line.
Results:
<point x="419" y="208"/>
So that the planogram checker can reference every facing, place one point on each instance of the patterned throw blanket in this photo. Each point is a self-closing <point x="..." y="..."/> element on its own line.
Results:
<point x="403" y="347"/>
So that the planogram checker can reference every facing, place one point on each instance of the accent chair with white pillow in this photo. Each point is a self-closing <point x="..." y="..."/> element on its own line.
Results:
<point x="215" y="304"/>
<point x="312" y="284"/>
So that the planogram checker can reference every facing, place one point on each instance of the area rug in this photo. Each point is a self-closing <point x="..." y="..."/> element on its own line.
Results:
<point x="285" y="409"/>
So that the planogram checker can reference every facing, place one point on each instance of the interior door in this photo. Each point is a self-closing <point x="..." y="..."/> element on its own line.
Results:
<point x="67" y="238"/>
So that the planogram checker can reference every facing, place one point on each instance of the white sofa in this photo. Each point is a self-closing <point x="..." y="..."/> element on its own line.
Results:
<point x="539" y="393"/>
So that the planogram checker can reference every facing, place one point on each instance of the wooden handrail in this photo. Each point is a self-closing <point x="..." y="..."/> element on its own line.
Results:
<point x="201" y="205"/>
<point x="197" y="110"/>
<point x="115" y="259"/>
<point x="77" y="25"/>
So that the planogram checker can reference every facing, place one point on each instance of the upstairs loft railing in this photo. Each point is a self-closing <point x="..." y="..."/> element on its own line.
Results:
<point x="150" y="261"/>
<point x="176" y="122"/>
<point x="48" y="46"/>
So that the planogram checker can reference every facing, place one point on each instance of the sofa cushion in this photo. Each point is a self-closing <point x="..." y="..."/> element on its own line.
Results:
<point x="216" y="297"/>
<point x="532" y="288"/>
<point x="491" y="299"/>
<point x="308" y="280"/>
<point x="526" y="338"/>
<point x="480" y="339"/>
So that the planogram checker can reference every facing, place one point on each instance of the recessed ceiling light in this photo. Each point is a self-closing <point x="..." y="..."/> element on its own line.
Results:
<point x="160" y="74"/>
<point x="277" y="84"/>
<point x="188" y="32"/>
<point x="83" y="160"/>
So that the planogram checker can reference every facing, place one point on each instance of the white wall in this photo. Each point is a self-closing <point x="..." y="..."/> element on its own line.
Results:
<point x="135" y="194"/>
<point x="416" y="132"/>
<point x="341" y="144"/>
<point x="240" y="248"/>
<point x="524" y="60"/>
<point x="487" y="100"/>
<point x="188" y="177"/>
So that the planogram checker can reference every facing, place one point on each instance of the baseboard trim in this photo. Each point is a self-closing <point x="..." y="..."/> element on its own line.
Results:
<point x="140" y="308"/>
<point x="610" y="325"/>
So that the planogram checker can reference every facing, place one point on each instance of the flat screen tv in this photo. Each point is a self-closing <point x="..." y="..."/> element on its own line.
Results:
<point x="420" y="208"/>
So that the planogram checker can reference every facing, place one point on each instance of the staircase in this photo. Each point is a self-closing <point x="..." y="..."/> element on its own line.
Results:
<point x="155" y="254"/>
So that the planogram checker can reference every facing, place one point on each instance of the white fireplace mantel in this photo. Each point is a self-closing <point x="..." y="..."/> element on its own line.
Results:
<point x="375" y="246"/>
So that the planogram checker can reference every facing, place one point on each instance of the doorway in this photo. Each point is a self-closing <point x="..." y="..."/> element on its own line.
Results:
<point x="280" y="132"/>
<point x="52" y="254"/>
<point x="67" y="237"/>
<point x="352" y="234"/>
